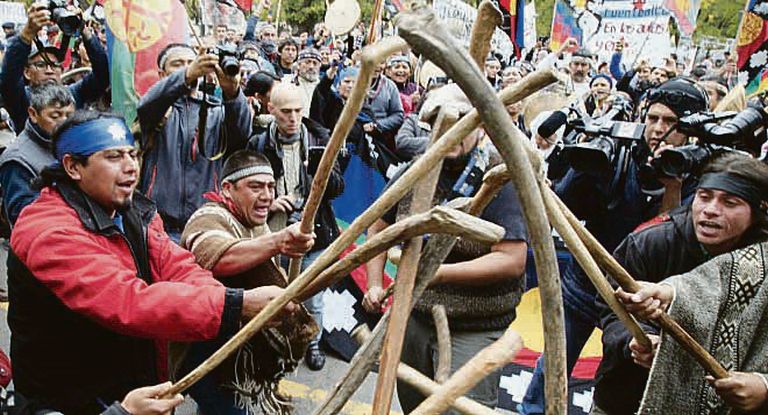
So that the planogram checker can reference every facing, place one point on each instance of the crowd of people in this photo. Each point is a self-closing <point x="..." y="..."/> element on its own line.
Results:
<point x="137" y="250"/>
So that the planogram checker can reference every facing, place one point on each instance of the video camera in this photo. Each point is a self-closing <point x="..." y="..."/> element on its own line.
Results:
<point x="594" y="144"/>
<point x="743" y="131"/>
<point x="68" y="21"/>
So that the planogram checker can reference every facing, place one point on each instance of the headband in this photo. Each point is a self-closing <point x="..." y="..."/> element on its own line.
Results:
<point x="248" y="171"/>
<point x="167" y="53"/>
<point x="733" y="184"/>
<point x="91" y="136"/>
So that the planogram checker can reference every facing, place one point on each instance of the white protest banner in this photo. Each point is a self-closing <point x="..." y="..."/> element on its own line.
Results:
<point x="13" y="12"/>
<point x="530" y="24"/>
<point x="460" y="16"/>
<point x="644" y="27"/>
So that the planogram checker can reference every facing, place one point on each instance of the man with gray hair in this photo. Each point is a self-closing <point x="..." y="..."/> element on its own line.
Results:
<point x="25" y="157"/>
<point x="308" y="75"/>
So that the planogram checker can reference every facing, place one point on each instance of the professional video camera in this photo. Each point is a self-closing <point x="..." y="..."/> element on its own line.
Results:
<point x="742" y="131"/>
<point x="594" y="144"/>
<point x="68" y="21"/>
<point x="229" y="59"/>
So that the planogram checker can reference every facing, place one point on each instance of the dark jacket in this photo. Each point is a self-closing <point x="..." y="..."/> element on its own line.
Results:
<point x="652" y="254"/>
<point x="21" y="162"/>
<point x="326" y="105"/>
<point x="92" y="306"/>
<point x="174" y="174"/>
<point x="326" y="228"/>
<point x="16" y="95"/>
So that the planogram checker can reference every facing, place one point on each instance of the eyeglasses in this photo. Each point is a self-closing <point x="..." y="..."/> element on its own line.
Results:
<point x="44" y="64"/>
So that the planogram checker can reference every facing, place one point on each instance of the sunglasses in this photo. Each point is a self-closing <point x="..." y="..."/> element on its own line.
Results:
<point x="44" y="64"/>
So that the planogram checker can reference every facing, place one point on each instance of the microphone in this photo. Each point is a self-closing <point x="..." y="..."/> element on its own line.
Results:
<point x="552" y="124"/>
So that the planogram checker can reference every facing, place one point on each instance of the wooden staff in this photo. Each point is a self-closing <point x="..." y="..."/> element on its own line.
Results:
<point x="498" y="354"/>
<point x="488" y="18"/>
<point x="443" y="332"/>
<point x="436" y="251"/>
<point x="423" y="384"/>
<point x="535" y="81"/>
<point x="372" y="57"/>
<point x="439" y="219"/>
<point x="428" y="36"/>
<point x="422" y="196"/>
<point x="628" y="284"/>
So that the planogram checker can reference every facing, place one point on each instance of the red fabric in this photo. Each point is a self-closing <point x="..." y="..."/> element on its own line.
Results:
<point x="5" y="369"/>
<point x="145" y="74"/>
<point x="654" y="221"/>
<point x="585" y="367"/>
<point x="95" y="276"/>
<point x="216" y="197"/>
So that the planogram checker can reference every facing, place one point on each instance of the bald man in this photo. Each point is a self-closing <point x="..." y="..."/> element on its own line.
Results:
<point x="293" y="144"/>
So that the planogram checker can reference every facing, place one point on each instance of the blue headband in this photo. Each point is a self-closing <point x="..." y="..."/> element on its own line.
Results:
<point x="92" y="136"/>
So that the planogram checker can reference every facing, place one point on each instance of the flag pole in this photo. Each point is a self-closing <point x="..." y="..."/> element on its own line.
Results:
<point x="277" y="18"/>
<point x="374" y="20"/>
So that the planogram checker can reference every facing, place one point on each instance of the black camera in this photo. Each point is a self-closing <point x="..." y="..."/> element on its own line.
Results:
<point x="229" y="59"/>
<point x="605" y="137"/>
<point x="68" y="21"/>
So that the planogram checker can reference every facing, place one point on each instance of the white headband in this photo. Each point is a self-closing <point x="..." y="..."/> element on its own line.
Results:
<point x="248" y="171"/>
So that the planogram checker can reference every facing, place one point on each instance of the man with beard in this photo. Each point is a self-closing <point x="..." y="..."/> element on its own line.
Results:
<point x="267" y="37"/>
<point x="24" y="62"/>
<point x="479" y="285"/>
<point x="95" y="298"/>
<point x="26" y="156"/>
<point x="229" y="236"/>
<point x="308" y="75"/>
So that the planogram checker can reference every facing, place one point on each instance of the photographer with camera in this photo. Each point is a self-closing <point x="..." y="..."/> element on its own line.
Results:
<point x="612" y="201"/>
<point x="727" y="214"/>
<point x="293" y="144"/>
<point x="184" y="127"/>
<point x="28" y="61"/>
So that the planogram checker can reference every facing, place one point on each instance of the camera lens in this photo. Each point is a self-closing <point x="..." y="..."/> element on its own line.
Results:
<point x="230" y="66"/>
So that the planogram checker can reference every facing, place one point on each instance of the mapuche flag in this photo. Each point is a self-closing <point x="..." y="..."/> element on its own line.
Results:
<point x="753" y="48"/>
<point x="564" y="25"/>
<point x="137" y="30"/>
<point x="513" y="22"/>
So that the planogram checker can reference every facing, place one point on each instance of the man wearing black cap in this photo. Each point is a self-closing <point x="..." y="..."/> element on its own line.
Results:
<point x="258" y="89"/>
<point x="613" y="204"/>
<point x="24" y="62"/>
<point x="727" y="213"/>
<point x="9" y="29"/>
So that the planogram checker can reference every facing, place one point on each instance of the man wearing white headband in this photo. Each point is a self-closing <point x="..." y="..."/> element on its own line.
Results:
<point x="98" y="288"/>
<point x="229" y="236"/>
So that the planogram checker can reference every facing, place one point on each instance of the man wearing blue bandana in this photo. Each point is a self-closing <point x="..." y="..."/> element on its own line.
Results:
<point x="728" y="212"/>
<point x="97" y="287"/>
<point x="479" y="285"/>
<point x="180" y="160"/>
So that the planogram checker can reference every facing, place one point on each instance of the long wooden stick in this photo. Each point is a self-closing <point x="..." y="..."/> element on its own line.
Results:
<point x="443" y="332"/>
<point x="394" y="193"/>
<point x="439" y="219"/>
<point x="436" y="251"/>
<point x="372" y="57"/>
<point x="422" y="196"/>
<point x="622" y="277"/>
<point x="428" y="36"/>
<point x="488" y="18"/>
<point x="498" y="354"/>
<point x="375" y="14"/>
<point x="424" y="384"/>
